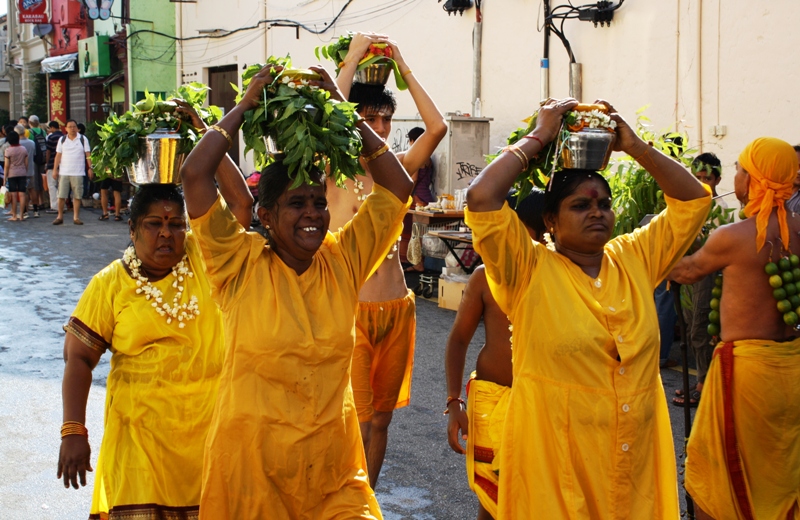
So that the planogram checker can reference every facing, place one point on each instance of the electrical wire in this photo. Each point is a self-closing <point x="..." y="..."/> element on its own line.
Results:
<point x="569" y="11"/>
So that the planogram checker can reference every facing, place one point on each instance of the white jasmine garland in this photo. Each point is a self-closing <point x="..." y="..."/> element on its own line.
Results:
<point x="180" y="312"/>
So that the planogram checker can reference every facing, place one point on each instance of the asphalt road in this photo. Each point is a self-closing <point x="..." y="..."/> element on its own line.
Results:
<point x="43" y="270"/>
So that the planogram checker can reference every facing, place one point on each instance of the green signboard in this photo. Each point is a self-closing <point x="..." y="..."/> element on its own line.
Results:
<point x="94" y="57"/>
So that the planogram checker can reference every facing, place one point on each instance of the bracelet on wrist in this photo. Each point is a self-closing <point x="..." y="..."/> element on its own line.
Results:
<point x="535" y="138"/>
<point x="73" y="428"/>
<point x="375" y="154"/>
<point x="450" y="400"/>
<point x="519" y="154"/>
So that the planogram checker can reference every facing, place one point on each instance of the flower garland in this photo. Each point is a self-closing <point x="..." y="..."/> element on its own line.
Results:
<point x="182" y="312"/>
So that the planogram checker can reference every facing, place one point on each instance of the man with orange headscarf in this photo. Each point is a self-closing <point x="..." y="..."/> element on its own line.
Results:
<point x="743" y="457"/>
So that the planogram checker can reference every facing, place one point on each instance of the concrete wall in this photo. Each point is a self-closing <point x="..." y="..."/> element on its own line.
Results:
<point x="697" y="64"/>
<point x="151" y="58"/>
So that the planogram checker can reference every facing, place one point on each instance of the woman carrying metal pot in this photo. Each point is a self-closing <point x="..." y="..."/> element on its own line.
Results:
<point x="285" y="439"/>
<point x="153" y="309"/>
<point x="587" y="433"/>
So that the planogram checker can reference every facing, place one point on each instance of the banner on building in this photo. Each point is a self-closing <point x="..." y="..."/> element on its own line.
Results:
<point x="58" y="101"/>
<point x="94" y="57"/>
<point x="32" y="11"/>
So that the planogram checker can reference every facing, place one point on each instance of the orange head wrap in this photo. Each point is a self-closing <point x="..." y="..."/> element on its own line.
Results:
<point x="772" y="165"/>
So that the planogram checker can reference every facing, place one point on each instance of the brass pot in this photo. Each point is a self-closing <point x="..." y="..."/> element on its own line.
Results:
<point x="588" y="149"/>
<point x="159" y="162"/>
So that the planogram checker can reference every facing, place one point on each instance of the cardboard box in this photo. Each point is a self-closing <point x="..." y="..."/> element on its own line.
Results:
<point x="450" y="294"/>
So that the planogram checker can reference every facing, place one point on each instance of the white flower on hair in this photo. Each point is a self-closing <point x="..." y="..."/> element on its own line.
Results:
<point x="286" y="79"/>
<point x="291" y="84"/>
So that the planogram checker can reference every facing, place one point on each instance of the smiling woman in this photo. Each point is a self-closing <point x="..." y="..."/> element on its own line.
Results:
<point x="292" y="448"/>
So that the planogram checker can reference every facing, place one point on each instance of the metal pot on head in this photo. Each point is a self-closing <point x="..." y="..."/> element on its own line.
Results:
<point x="159" y="161"/>
<point x="588" y="149"/>
<point x="375" y="74"/>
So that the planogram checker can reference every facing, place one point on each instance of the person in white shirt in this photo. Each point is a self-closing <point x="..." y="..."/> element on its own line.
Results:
<point x="72" y="165"/>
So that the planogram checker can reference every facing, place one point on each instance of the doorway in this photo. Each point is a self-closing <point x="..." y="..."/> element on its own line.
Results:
<point x="223" y="95"/>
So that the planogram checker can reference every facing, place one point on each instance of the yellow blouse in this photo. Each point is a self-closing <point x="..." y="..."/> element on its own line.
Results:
<point x="161" y="388"/>
<point x="587" y="433"/>
<point x="285" y="440"/>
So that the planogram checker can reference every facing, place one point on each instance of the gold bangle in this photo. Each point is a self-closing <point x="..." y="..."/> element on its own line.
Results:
<point x="73" y="428"/>
<point x="377" y="153"/>
<point x="519" y="154"/>
<point x="645" y="152"/>
<point x="224" y="133"/>
<point x="406" y="73"/>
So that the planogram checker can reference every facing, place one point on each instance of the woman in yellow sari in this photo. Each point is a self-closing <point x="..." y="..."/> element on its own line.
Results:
<point x="587" y="431"/>
<point x="285" y="440"/>
<point x="153" y="309"/>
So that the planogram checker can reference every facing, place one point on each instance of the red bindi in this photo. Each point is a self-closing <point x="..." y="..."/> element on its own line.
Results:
<point x="593" y="193"/>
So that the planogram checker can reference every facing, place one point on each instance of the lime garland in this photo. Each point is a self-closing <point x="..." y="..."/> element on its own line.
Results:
<point x="312" y="130"/>
<point x="784" y="278"/>
<point x="713" y="316"/>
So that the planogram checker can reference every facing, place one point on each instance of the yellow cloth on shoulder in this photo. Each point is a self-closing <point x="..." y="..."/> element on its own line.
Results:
<point x="160" y="391"/>
<point x="487" y="403"/>
<point x="772" y="165"/>
<point x="285" y="440"/>
<point x="766" y="416"/>
<point x="587" y="432"/>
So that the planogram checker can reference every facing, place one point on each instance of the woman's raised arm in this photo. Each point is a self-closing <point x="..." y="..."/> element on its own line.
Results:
<point x="200" y="167"/>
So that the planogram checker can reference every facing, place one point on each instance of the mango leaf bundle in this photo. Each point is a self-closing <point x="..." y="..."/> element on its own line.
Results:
<point x="119" y="144"/>
<point x="311" y="130"/>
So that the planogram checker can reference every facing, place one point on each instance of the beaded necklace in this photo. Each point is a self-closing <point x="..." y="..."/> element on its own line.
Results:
<point x="181" y="312"/>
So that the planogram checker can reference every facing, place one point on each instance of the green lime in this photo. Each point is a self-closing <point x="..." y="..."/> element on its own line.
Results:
<point x="775" y="281"/>
<point x="742" y="215"/>
<point x="795" y="260"/>
<point x="791" y="289"/>
<point x="795" y="301"/>
<point x="796" y="273"/>
<point x="713" y="316"/>
<point x="718" y="280"/>
<point x="784" y="264"/>
<point x="783" y="306"/>
<point x="780" y="293"/>
<point x="716" y="292"/>
<point x="797" y="286"/>
<point x="787" y="276"/>
<point x="771" y="268"/>
<point x="714" y="303"/>
<point x="790" y="318"/>
<point x="713" y="329"/>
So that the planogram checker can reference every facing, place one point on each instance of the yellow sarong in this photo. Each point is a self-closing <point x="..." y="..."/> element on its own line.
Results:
<point x="285" y="441"/>
<point x="160" y="392"/>
<point x="487" y="403"/>
<point x="744" y="461"/>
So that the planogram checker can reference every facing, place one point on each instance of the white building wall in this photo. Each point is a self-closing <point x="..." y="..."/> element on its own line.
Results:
<point x="736" y="59"/>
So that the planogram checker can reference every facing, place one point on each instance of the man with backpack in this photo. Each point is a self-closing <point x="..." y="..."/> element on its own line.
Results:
<point x="70" y="168"/>
<point x="39" y="138"/>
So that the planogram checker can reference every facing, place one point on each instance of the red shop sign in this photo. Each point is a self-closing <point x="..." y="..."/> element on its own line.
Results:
<point x="32" y="11"/>
<point x="58" y="101"/>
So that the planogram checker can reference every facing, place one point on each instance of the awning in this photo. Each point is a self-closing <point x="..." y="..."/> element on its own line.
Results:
<point x="63" y="63"/>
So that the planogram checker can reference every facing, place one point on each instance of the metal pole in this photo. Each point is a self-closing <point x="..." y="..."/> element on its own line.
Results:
<point x="544" y="63"/>
<point x="477" y="35"/>
<point x="687" y="410"/>
<point x="575" y="81"/>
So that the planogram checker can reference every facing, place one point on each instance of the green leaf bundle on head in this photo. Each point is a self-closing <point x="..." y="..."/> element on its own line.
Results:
<point x="119" y="145"/>
<point x="311" y="129"/>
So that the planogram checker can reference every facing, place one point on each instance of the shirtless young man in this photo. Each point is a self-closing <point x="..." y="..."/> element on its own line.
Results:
<point x="386" y="319"/>
<point x="487" y="389"/>
<point x="743" y="457"/>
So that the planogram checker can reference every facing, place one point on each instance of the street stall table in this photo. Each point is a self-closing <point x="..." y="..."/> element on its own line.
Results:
<point x="432" y="247"/>
<point x="458" y="242"/>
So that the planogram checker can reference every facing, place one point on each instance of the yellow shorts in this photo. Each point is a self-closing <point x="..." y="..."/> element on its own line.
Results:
<point x="487" y="404"/>
<point x="383" y="359"/>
